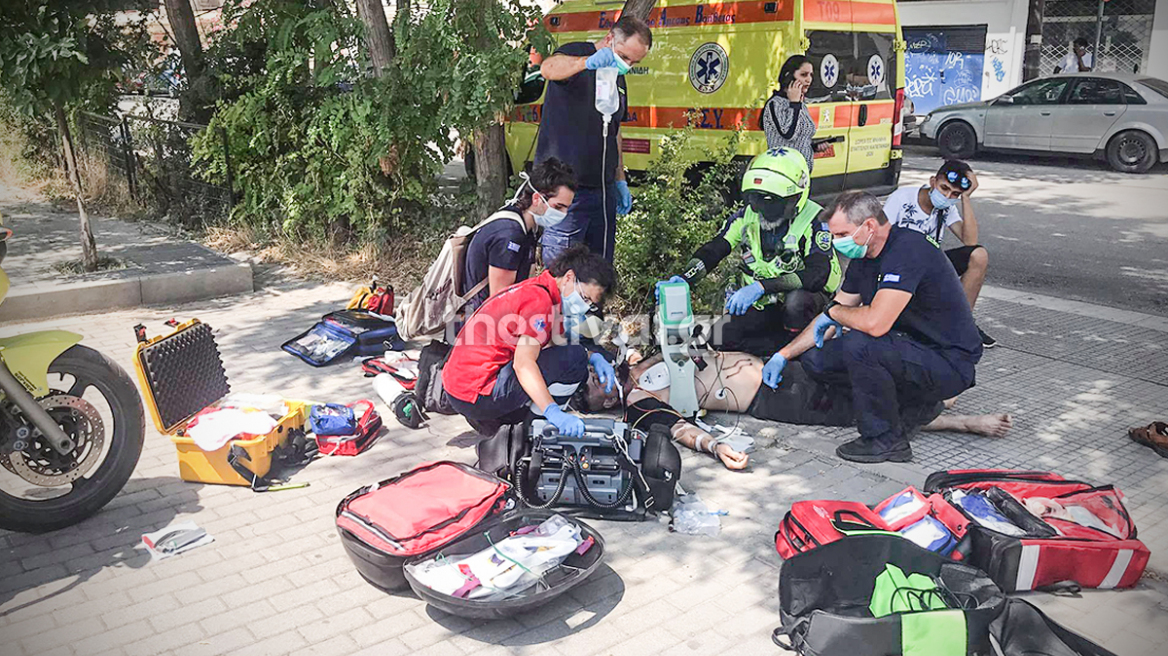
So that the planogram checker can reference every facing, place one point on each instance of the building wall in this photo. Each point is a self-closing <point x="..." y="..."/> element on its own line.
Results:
<point x="1005" y="22"/>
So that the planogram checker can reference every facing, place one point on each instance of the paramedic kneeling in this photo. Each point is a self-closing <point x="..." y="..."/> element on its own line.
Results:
<point x="910" y="340"/>
<point x="519" y="353"/>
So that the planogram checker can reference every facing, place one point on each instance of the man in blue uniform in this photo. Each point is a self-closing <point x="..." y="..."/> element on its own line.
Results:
<point x="910" y="340"/>
<point x="572" y="130"/>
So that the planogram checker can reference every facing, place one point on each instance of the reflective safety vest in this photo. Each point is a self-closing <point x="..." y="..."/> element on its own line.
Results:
<point x="744" y="236"/>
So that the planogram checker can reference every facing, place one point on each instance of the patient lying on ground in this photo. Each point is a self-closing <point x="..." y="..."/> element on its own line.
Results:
<point x="732" y="382"/>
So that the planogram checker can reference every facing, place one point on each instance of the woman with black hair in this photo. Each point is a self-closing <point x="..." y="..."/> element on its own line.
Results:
<point x="503" y="251"/>
<point x="520" y="353"/>
<point x="785" y="118"/>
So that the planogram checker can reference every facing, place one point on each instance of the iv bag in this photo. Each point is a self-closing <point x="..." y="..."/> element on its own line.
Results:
<point x="607" y="92"/>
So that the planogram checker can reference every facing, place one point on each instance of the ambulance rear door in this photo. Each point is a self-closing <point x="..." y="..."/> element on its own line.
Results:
<point x="872" y="85"/>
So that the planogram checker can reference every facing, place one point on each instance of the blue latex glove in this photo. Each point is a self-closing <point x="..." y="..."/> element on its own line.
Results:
<point x="568" y="425"/>
<point x="822" y="323"/>
<point x="624" y="198"/>
<point x="742" y="299"/>
<point x="604" y="371"/>
<point x="604" y="58"/>
<point x="657" y="287"/>
<point x="772" y="371"/>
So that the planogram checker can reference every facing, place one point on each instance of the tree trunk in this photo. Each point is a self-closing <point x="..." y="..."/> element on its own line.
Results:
<point x="88" y="245"/>
<point x="639" y="8"/>
<point x="490" y="169"/>
<point x="196" y="98"/>
<point x="378" y="37"/>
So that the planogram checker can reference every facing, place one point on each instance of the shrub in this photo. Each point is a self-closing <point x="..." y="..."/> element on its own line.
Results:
<point x="672" y="216"/>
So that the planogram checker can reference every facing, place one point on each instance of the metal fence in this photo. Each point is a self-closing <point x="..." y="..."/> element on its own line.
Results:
<point x="1125" y="32"/>
<point x="149" y="160"/>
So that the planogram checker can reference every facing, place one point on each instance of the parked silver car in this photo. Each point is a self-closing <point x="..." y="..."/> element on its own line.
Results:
<point x="1114" y="116"/>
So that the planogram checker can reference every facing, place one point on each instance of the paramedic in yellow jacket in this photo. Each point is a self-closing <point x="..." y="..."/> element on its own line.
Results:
<point x="786" y="267"/>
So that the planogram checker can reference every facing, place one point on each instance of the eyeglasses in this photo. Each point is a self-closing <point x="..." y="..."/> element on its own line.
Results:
<point x="954" y="176"/>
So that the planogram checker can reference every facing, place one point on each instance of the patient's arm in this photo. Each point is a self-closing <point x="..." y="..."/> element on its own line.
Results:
<point x="691" y="436"/>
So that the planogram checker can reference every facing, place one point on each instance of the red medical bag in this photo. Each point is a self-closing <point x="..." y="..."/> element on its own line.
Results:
<point x="811" y="524"/>
<point x="1078" y="553"/>
<point x="419" y="512"/>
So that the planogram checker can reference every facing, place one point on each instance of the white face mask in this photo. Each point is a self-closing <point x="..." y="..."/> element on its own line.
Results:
<point x="551" y="215"/>
<point x="575" y="305"/>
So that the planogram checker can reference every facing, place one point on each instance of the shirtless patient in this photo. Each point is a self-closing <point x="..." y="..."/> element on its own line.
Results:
<point x="732" y="382"/>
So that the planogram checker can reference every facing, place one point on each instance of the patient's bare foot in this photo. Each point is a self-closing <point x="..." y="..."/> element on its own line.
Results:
<point x="949" y="403"/>
<point x="988" y="425"/>
<point x="731" y="458"/>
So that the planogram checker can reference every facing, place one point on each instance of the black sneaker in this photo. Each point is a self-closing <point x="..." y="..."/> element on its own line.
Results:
<point x="987" y="342"/>
<point x="870" y="451"/>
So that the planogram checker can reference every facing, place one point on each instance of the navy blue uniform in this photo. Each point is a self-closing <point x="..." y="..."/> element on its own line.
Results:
<point x="502" y="243"/>
<point x="573" y="131"/>
<point x="928" y="356"/>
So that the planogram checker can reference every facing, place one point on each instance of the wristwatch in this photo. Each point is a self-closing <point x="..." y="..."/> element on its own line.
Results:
<point x="827" y="309"/>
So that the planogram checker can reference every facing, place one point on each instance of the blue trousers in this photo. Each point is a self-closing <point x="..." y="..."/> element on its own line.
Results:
<point x="564" y="369"/>
<point x="591" y="220"/>
<point x="895" y="381"/>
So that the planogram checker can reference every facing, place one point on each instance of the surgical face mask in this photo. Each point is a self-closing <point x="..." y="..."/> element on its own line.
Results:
<point x="848" y="247"/>
<point x="551" y="215"/>
<point x="940" y="200"/>
<point x="575" y="305"/>
<point x="622" y="68"/>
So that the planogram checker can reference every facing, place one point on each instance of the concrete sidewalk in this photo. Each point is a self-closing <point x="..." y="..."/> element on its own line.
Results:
<point x="160" y="267"/>
<point x="276" y="580"/>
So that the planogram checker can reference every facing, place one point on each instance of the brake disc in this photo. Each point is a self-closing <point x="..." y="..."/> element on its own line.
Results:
<point x="41" y="465"/>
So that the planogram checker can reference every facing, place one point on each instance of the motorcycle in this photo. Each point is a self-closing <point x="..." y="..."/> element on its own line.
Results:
<point x="72" y="427"/>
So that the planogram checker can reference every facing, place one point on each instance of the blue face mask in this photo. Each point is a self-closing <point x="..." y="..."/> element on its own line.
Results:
<point x="575" y="305"/>
<point x="550" y="217"/>
<point x="940" y="201"/>
<point x="848" y="247"/>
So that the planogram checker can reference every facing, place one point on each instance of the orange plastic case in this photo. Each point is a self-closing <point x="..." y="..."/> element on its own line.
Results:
<point x="181" y="374"/>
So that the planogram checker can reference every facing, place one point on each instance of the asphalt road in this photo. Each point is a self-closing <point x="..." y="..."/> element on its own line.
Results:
<point x="1068" y="228"/>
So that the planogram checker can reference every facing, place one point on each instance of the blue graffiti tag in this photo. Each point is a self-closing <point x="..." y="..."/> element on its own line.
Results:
<point x="999" y="70"/>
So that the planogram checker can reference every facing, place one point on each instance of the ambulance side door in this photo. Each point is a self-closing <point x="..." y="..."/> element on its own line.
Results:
<point x="830" y="107"/>
<point x="871" y="85"/>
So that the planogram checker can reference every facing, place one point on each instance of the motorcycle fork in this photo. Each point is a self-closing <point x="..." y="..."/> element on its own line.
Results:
<point x="33" y="412"/>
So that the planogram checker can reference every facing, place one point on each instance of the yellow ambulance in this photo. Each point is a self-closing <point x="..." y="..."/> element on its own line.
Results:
<point x="719" y="61"/>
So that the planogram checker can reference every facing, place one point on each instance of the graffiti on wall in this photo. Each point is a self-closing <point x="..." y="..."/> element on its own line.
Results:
<point x="935" y="77"/>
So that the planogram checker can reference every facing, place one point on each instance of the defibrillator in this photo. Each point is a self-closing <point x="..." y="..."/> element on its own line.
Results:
<point x="676" y="330"/>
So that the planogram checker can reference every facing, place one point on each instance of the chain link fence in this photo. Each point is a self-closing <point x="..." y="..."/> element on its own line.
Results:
<point x="1125" y="35"/>
<point x="148" y="161"/>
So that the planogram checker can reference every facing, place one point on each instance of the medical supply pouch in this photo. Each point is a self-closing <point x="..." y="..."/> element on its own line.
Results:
<point x="1024" y="630"/>
<point x="413" y="514"/>
<point x="322" y="344"/>
<point x="872" y="595"/>
<point x="374" y="298"/>
<point x="332" y="419"/>
<point x="811" y="524"/>
<point x="930" y="522"/>
<point x="375" y="335"/>
<point x="1032" y="530"/>
<point x="367" y="428"/>
<point x="496" y="551"/>
<point x="348" y="333"/>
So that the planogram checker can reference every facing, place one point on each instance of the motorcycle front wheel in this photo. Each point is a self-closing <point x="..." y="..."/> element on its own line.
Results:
<point x="97" y="404"/>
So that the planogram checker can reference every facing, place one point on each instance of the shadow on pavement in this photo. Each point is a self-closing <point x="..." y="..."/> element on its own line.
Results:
<point x="39" y="567"/>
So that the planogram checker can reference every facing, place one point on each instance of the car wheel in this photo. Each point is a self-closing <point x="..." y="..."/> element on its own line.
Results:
<point x="957" y="140"/>
<point x="1132" y="152"/>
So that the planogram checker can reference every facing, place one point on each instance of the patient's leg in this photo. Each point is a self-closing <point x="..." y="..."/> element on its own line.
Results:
<point x="987" y="425"/>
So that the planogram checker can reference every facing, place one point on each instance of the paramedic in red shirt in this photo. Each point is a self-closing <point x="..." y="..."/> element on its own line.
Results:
<point x="520" y="353"/>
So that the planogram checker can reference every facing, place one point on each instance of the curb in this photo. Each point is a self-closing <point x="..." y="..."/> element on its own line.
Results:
<point x="47" y="301"/>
